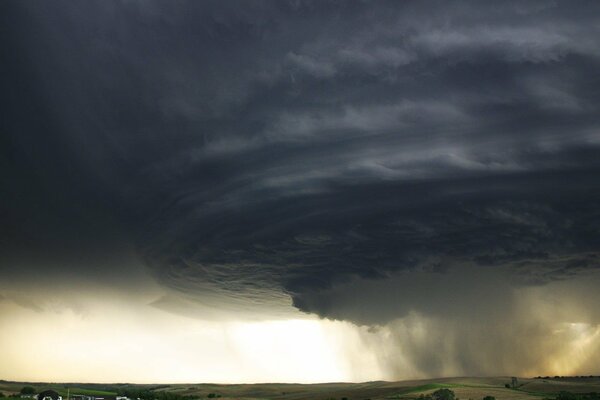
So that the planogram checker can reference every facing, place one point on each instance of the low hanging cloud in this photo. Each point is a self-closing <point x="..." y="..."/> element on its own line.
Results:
<point x="408" y="166"/>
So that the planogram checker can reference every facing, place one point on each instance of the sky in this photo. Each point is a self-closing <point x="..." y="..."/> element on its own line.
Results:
<point x="298" y="191"/>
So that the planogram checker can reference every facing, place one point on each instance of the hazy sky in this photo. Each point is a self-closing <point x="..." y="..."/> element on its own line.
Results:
<point x="253" y="191"/>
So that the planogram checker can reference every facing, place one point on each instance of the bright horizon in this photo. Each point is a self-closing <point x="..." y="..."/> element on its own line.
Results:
<point x="108" y="340"/>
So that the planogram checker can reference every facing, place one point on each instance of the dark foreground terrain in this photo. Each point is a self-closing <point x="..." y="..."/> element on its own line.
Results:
<point x="563" y="388"/>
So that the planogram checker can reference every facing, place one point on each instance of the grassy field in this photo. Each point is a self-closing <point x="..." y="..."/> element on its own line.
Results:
<point x="467" y="388"/>
<point x="14" y="387"/>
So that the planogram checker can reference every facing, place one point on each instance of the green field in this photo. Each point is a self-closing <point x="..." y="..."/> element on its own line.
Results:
<point x="464" y="388"/>
<point x="14" y="387"/>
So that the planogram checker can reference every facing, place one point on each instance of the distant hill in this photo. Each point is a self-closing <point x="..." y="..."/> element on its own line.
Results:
<point x="465" y="388"/>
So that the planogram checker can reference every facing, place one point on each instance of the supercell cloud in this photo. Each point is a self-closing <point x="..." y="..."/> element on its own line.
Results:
<point x="428" y="169"/>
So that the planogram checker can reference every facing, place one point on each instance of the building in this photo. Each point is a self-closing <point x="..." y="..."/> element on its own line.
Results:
<point x="49" y="395"/>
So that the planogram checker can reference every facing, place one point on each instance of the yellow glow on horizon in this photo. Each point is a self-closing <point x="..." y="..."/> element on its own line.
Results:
<point x="583" y="344"/>
<point x="101" y="337"/>
<point x="113" y="342"/>
<point x="297" y="347"/>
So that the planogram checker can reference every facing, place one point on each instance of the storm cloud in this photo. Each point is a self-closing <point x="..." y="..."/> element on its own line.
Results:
<point x="381" y="163"/>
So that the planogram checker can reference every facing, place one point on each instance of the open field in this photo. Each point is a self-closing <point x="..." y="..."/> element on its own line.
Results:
<point x="62" y="388"/>
<point x="465" y="388"/>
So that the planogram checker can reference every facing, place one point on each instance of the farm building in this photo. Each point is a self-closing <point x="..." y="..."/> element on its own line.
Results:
<point x="49" y="395"/>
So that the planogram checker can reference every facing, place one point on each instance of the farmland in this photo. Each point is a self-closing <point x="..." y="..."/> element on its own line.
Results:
<point x="465" y="388"/>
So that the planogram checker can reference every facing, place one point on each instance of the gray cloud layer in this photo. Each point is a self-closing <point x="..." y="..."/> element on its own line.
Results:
<point x="263" y="153"/>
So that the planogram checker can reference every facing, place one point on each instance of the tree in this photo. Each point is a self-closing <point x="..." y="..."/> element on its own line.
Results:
<point x="443" y="394"/>
<point x="566" y="396"/>
<point x="27" y="390"/>
<point x="489" y="398"/>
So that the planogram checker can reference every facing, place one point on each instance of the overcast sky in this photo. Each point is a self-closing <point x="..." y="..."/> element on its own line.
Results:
<point x="389" y="190"/>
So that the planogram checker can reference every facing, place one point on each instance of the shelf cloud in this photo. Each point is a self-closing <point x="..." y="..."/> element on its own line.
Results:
<point x="424" y="169"/>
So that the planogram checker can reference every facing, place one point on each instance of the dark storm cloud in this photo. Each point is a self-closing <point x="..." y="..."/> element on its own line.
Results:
<point x="259" y="151"/>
